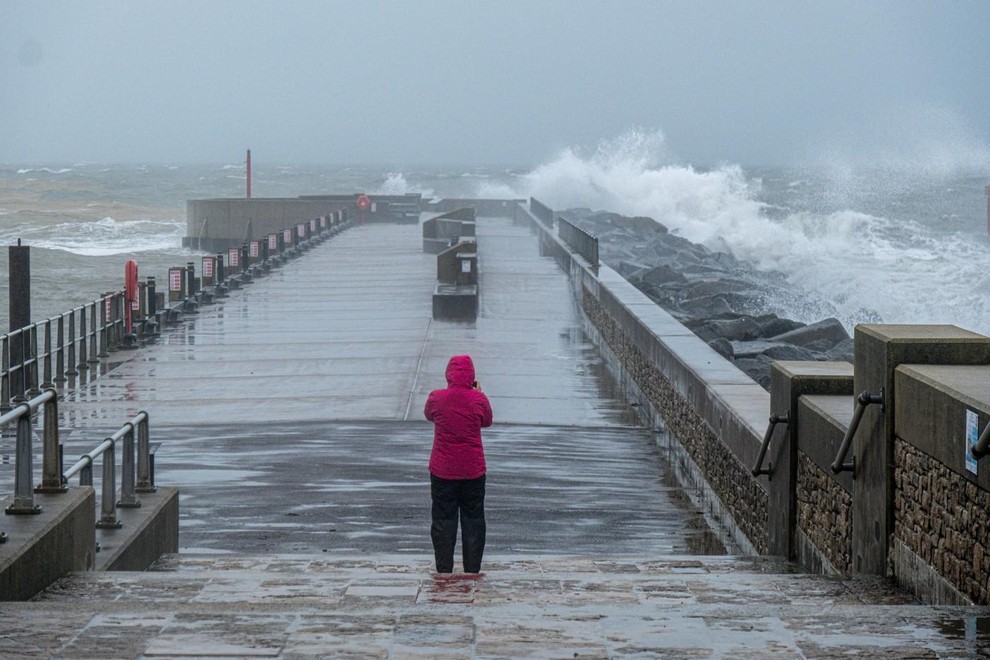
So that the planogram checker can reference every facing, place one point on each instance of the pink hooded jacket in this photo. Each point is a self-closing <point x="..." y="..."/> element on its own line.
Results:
<point x="458" y="413"/>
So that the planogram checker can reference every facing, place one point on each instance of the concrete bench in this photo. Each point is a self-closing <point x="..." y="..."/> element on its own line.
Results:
<point x="455" y="296"/>
<point x="443" y="231"/>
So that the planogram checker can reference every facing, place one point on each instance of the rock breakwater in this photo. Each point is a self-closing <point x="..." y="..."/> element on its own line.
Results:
<point x="727" y="302"/>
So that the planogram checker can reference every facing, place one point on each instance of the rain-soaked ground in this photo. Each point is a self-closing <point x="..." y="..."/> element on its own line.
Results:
<point x="289" y="415"/>
<point x="362" y="487"/>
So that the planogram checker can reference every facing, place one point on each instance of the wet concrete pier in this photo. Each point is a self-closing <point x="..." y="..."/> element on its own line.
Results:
<point x="289" y="414"/>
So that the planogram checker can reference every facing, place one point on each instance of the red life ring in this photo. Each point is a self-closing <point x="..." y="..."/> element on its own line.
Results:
<point x="363" y="202"/>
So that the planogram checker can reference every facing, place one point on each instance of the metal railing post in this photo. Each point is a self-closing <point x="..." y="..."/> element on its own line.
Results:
<point x="5" y="374"/>
<point x="145" y="479"/>
<point x="60" y="350"/>
<point x="47" y="371"/>
<point x="31" y="362"/>
<point x="82" y="365"/>
<point x="18" y="385"/>
<point x="108" y="500"/>
<point x="93" y="356"/>
<point x="24" y="468"/>
<point x="73" y="369"/>
<point x="51" y="456"/>
<point x="152" y="312"/>
<point x="104" y="327"/>
<point x="128" y="499"/>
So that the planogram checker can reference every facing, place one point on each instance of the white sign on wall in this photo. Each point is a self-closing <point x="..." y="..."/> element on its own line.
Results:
<point x="972" y="434"/>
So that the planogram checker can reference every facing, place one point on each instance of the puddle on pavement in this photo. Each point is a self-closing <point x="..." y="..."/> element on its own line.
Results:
<point x="975" y="630"/>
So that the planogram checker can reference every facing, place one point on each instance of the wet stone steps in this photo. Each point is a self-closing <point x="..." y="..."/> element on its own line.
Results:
<point x="294" y="606"/>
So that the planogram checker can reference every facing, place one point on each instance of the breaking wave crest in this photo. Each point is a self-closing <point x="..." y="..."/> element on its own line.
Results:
<point x="906" y="268"/>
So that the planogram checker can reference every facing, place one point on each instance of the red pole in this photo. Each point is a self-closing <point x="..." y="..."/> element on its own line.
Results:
<point x="249" y="174"/>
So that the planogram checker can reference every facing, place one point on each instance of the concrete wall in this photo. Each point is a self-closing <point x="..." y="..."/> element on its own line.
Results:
<point x="713" y="412"/>
<point x="823" y="539"/>
<point x="496" y="208"/>
<point x="146" y="533"/>
<point x="941" y="509"/>
<point x="43" y="547"/>
<point x="215" y="224"/>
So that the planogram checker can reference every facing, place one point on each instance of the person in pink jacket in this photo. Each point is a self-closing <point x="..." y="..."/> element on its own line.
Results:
<point x="457" y="466"/>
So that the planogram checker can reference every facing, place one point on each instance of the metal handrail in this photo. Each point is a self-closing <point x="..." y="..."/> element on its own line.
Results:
<point x="982" y="446"/>
<point x="48" y="356"/>
<point x="129" y="484"/>
<point x="581" y="241"/>
<point x="758" y="468"/>
<point x="24" y="453"/>
<point x="862" y="401"/>
<point x="103" y="331"/>
<point x="88" y="332"/>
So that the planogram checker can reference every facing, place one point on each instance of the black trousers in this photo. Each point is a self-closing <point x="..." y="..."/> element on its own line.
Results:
<point x="450" y="498"/>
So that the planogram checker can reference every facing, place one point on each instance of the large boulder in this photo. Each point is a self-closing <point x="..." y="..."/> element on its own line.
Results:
<point x="772" y="325"/>
<point x="663" y="274"/>
<point x="830" y="329"/>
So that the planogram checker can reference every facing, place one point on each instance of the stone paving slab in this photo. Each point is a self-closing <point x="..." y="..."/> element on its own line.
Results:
<point x="291" y="606"/>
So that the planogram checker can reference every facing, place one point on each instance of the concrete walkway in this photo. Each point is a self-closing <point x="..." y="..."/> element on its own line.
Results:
<point x="289" y="416"/>
<point x="292" y="606"/>
<point x="346" y="332"/>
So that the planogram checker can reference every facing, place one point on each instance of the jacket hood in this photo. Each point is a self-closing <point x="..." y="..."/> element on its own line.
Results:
<point x="460" y="371"/>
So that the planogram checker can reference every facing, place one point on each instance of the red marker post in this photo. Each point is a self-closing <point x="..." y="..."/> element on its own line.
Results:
<point x="131" y="301"/>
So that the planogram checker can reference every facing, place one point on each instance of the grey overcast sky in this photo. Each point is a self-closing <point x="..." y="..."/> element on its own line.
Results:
<point x="431" y="82"/>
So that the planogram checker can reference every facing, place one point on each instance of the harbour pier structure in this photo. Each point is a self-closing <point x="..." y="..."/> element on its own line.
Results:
<point x="638" y="501"/>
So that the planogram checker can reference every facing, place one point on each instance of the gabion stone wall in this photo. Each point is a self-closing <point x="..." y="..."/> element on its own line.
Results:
<point x="944" y="519"/>
<point x="727" y="477"/>
<point x="824" y="513"/>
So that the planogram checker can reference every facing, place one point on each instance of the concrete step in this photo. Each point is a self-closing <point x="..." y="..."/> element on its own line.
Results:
<point x="521" y="606"/>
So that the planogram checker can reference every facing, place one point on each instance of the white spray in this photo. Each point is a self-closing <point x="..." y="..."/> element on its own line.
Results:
<point x="906" y="270"/>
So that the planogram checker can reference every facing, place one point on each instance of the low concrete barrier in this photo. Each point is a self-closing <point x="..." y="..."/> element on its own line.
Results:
<point x="442" y="231"/>
<point x="42" y="548"/>
<point x="218" y="224"/>
<point x="455" y="297"/>
<point x="709" y="412"/>
<point x="145" y="534"/>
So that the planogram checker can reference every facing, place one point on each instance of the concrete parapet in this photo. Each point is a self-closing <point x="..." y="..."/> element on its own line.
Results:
<point x="454" y="302"/>
<point x="482" y="207"/>
<point x="789" y="381"/>
<point x="217" y="224"/>
<point x="441" y="232"/>
<point x="941" y="523"/>
<point x="714" y="411"/>
<point x="43" y="547"/>
<point x="879" y="350"/>
<point x="450" y="268"/>
<point x="146" y="533"/>
<point x="822" y="500"/>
